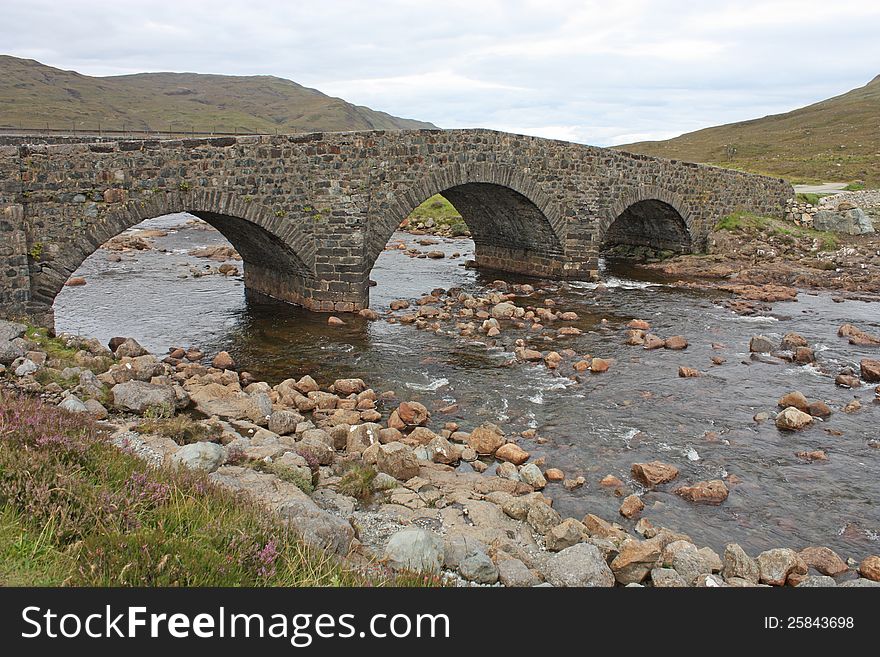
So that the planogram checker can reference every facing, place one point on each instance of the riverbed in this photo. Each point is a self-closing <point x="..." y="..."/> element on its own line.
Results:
<point x="639" y="410"/>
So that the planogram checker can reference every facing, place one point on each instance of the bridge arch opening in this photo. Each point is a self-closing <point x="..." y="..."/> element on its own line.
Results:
<point x="647" y="229"/>
<point x="92" y="284"/>
<point x="510" y="225"/>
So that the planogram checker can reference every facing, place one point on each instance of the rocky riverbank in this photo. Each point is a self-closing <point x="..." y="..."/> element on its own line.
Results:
<point x="371" y="476"/>
<point x="754" y="252"/>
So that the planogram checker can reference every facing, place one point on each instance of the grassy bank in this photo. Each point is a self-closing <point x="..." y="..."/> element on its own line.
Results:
<point x="443" y="214"/>
<point x="744" y="222"/>
<point x="75" y="510"/>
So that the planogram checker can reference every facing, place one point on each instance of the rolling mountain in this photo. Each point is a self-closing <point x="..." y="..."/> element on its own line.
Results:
<point x="835" y="140"/>
<point x="34" y="96"/>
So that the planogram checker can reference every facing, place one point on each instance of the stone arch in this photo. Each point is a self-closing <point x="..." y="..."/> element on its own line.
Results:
<point x="649" y="216"/>
<point x="277" y="255"/>
<point x="515" y="224"/>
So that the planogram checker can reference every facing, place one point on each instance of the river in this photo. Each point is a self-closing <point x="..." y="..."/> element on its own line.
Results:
<point x="640" y="410"/>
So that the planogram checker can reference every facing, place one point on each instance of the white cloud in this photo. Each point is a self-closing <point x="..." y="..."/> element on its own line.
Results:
<point x="585" y="70"/>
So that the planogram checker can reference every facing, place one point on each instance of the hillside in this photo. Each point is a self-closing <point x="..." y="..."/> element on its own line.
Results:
<point x="835" y="140"/>
<point x="33" y="95"/>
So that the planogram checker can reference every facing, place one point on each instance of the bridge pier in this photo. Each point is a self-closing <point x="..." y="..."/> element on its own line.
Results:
<point x="15" y="281"/>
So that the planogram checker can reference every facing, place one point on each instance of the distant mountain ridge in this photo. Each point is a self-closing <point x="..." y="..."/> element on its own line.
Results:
<point x="835" y="140"/>
<point x="33" y="95"/>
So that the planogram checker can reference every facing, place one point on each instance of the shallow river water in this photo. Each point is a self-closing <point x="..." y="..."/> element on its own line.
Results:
<point x="639" y="410"/>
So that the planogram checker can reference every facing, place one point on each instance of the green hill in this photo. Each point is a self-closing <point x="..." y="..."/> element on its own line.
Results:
<point x="33" y="95"/>
<point x="835" y="140"/>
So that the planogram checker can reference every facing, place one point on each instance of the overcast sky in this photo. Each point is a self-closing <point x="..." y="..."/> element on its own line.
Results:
<point x="596" y="72"/>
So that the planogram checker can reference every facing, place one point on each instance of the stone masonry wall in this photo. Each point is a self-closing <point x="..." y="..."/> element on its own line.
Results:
<point x="310" y="213"/>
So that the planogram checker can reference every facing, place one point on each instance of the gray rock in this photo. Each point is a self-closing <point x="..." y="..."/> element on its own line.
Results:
<point x="72" y="404"/>
<point x="689" y="563"/>
<point x="333" y="501"/>
<point x="315" y="448"/>
<point x="415" y="549"/>
<point x="513" y="572"/>
<point x="709" y="581"/>
<point x="27" y="367"/>
<point x="579" y="565"/>
<point x="11" y="330"/>
<point x="761" y="345"/>
<point x="284" y="422"/>
<point x="542" y="518"/>
<point x="739" y="582"/>
<point x="320" y="529"/>
<point x="457" y="546"/>
<point x="200" y="456"/>
<point x="818" y="581"/>
<point x="667" y="578"/>
<point x="397" y="460"/>
<point x="384" y="481"/>
<point x="89" y="385"/>
<point x="139" y="396"/>
<point x="850" y="222"/>
<point x="777" y="564"/>
<point x="860" y="582"/>
<point x="507" y="470"/>
<point x="130" y="347"/>
<point x="739" y="564"/>
<point x="96" y="409"/>
<point x="531" y="474"/>
<point x="11" y="350"/>
<point x="478" y="567"/>
<point x="565" y="534"/>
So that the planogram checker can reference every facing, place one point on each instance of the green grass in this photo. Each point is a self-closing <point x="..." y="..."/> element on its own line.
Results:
<point x="443" y="213"/>
<point x="808" y="197"/>
<point x="746" y="222"/>
<point x="182" y="429"/>
<point x="28" y="556"/>
<point x="75" y="510"/>
<point x="59" y="353"/>
<point x="357" y="481"/>
<point x="855" y="187"/>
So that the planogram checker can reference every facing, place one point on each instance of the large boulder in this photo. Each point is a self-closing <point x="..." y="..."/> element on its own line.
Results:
<point x="567" y="533"/>
<point x="284" y="422"/>
<point x="11" y="350"/>
<point x="776" y="565"/>
<point x="739" y="564"/>
<point x="870" y="369"/>
<point x="654" y="473"/>
<point x="791" y="419"/>
<point x="704" y="492"/>
<point x="397" y="460"/>
<point x="73" y="404"/>
<point x="478" y="567"/>
<point x="414" y="549"/>
<point x="130" y="348"/>
<point x="200" y="456"/>
<point x="10" y="330"/>
<point x="579" y="565"/>
<point x="409" y="414"/>
<point x="485" y="439"/>
<point x="513" y="572"/>
<point x="228" y="402"/>
<point x="635" y="560"/>
<point x="852" y="222"/>
<point x="139" y="396"/>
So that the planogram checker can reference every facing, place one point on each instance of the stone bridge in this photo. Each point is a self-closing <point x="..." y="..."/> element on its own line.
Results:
<point x="310" y="213"/>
